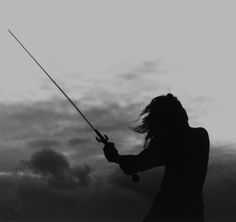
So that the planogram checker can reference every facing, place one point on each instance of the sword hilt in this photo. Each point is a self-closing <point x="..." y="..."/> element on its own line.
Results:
<point x="104" y="139"/>
<point x="100" y="138"/>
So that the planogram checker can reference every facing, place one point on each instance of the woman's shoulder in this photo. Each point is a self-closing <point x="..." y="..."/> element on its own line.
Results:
<point x="201" y="136"/>
<point x="199" y="131"/>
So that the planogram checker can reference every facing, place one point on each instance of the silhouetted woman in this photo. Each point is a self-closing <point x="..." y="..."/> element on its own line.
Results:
<point x="181" y="149"/>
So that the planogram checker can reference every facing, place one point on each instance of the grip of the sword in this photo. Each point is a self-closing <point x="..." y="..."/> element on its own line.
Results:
<point x="104" y="140"/>
<point x="101" y="138"/>
<point x="135" y="178"/>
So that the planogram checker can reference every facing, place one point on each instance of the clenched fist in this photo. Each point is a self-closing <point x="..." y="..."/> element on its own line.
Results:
<point x="111" y="152"/>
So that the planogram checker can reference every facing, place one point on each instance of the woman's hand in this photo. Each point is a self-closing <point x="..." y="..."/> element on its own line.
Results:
<point x="111" y="152"/>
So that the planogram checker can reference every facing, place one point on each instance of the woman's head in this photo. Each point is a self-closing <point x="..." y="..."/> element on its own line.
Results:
<point x="162" y="115"/>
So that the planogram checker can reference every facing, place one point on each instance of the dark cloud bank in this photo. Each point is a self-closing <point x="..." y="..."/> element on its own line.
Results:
<point x="26" y="128"/>
<point x="59" y="191"/>
<point x="73" y="188"/>
<point x="53" y="190"/>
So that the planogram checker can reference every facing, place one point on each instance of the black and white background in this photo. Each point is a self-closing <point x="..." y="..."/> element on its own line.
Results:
<point x="111" y="58"/>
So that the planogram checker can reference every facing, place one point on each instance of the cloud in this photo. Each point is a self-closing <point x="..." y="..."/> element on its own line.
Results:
<point x="54" y="124"/>
<point x="30" y="199"/>
<point x="108" y="196"/>
<point x="43" y="143"/>
<point x="113" y="116"/>
<point x="77" y="141"/>
<point x="111" y="106"/>
<point x="66" y="193"/>
<point x="199" y="107"/>
<point x="57" y="170"/>
<point x="26" y="127"/>
<point x="49" y="161"/>
<point x="219" y="190"/>
<point x="62" y="192"/>
<point x="82" y="173"/>
<point x="73" y="181"/>
<point x="142" y="70"/>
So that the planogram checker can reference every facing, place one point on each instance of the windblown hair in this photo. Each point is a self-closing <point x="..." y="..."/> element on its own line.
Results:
<point x="165" y="108"/>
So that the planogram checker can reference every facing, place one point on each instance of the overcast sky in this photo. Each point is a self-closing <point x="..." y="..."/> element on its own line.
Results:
<point x="112" y="57"/>
<point x="192" y="44"/>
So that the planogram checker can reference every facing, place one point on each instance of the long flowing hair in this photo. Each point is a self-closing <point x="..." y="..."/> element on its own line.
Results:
<point x="165" y="109"/>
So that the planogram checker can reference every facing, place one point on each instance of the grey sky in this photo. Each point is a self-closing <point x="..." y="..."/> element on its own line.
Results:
<point x="112" y="57"/>
<point x="80" y="42"/>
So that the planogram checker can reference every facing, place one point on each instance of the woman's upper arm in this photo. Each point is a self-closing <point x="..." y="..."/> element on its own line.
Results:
<point x="204" y="143"/>
<point x="147" y="159"/>
<point x="152" y="156"/>
<point x="204" y="138"/>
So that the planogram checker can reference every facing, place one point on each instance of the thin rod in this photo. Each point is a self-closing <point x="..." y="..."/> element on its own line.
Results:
<point x="53" y="81"/>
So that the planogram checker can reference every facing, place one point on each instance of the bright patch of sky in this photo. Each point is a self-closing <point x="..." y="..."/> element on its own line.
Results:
<point x="82" y="42"/>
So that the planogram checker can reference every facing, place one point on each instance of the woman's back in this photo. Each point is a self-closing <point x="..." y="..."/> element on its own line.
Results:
<point x="186" y="157"/>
